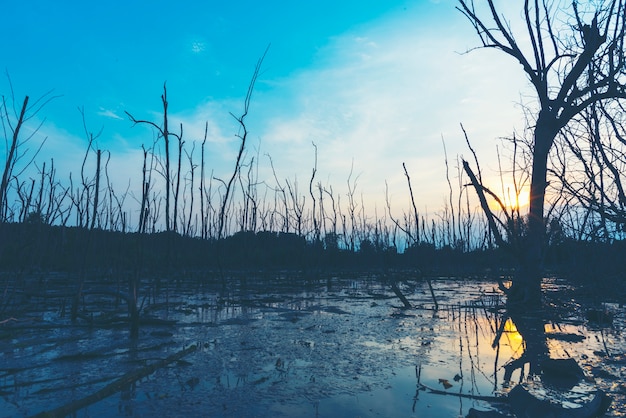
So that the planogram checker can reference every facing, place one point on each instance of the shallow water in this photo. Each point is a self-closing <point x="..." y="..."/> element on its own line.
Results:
<point x="338" y="348"/>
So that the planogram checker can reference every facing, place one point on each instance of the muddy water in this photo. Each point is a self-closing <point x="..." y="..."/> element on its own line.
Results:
<point x="338" y="348"/>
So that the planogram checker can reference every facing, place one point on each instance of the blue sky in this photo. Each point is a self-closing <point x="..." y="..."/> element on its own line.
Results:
<point x="371" y="83"/>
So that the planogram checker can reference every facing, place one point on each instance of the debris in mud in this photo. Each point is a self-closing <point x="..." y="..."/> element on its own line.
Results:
<point x="567" y="367"/>
<point x="335" y="310"/>
<point x="599" y="316"/>
<point x="524" y="404"/>
<point x="563" y="336"/>
<point x="445" y="383"/>
<point x="193" y="382"/>
<point x="402" y="315"/>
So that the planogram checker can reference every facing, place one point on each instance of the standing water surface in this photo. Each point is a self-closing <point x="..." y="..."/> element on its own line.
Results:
<point x="329" y="348"/>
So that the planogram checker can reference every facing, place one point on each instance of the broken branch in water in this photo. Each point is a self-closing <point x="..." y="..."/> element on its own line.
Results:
<point x="501" y="399"/>
<point x="399" y="294"/>
<point x="6" y="321"/>
<point x="405" y="301"/>
<point x="114" y="387"/>
<point x="432" y="293"/>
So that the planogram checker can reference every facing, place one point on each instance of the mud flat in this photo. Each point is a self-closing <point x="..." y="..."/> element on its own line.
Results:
<point x="329" y="347"/>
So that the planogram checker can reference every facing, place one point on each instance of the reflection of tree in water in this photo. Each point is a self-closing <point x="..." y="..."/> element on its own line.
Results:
<point x="534" y="372"/>
<point x="553" y="379"/>
<point x="531" y="328"/>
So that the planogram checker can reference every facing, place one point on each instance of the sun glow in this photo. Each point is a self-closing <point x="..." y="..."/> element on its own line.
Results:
<point x="509" y="197"/>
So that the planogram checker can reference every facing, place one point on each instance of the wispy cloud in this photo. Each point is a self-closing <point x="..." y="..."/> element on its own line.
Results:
<point x="376" y="97"/>
<point x="198" y="47"/>
<point x="107" y="113"/>
<point x="388" y="95"/>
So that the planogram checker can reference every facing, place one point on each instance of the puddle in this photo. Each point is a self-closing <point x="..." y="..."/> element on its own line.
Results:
<point x="342" y="350"/>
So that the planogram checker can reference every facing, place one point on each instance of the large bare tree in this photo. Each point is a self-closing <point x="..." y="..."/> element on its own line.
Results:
<point x="573" y="56"/>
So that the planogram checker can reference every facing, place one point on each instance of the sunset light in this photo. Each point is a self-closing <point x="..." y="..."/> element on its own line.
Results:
<point x="510" y="198"/>
<point x="280" y="208"/>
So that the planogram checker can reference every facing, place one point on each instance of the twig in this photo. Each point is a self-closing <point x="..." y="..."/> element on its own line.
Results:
<point x="500" y="399"/>
<point x="399" y="294"/>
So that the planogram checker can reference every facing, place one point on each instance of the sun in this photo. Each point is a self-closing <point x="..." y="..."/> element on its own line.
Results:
<point x="510" y="199"/>
<point x="520" y="201"/>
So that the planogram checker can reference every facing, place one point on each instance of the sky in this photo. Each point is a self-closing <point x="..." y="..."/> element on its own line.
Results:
<point x="372" y="84"/>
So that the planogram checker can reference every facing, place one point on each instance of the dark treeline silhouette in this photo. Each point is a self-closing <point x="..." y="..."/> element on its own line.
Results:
<point x="39" y="247"/>
<point x="32" y="248"/>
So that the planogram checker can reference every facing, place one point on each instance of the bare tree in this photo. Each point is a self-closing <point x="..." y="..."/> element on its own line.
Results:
<point x="165" y="133"/>
<point x="574" y="59"/>
<point x="203" y="219"/>
<point x="192" y="170"/>
<point x="181" y="143"/>
<point x="243" y="136"/>
<point x="12" y="125"/>
<point x="145" y="189"/>
<point x="12" y="153"/>
<point x="297" y="205"/>
<point x="352" y="184"/>
<point x="280" y="194"/>
<point x="316" y="227"/>
<point x="97" y="189"/>
<point x="81" y="196"/>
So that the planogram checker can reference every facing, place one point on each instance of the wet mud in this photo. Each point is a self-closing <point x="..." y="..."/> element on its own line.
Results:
<point x="330" y="348"/>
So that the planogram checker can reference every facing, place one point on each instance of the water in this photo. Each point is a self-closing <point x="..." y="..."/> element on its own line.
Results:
<point x="338" y="348"/>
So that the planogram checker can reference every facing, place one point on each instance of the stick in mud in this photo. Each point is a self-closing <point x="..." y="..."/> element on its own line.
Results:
<point x="432" y="293"/>
<point x="399" y="294"/>
<point x="405" y="301"/>
<point x="115" y="386"/>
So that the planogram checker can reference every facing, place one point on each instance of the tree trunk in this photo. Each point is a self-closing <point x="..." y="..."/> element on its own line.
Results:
<point x="526" y="287"/>
<point x="11" y="157"/>
<point x="166" y="138"/>
<point x="97" y="191"/>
